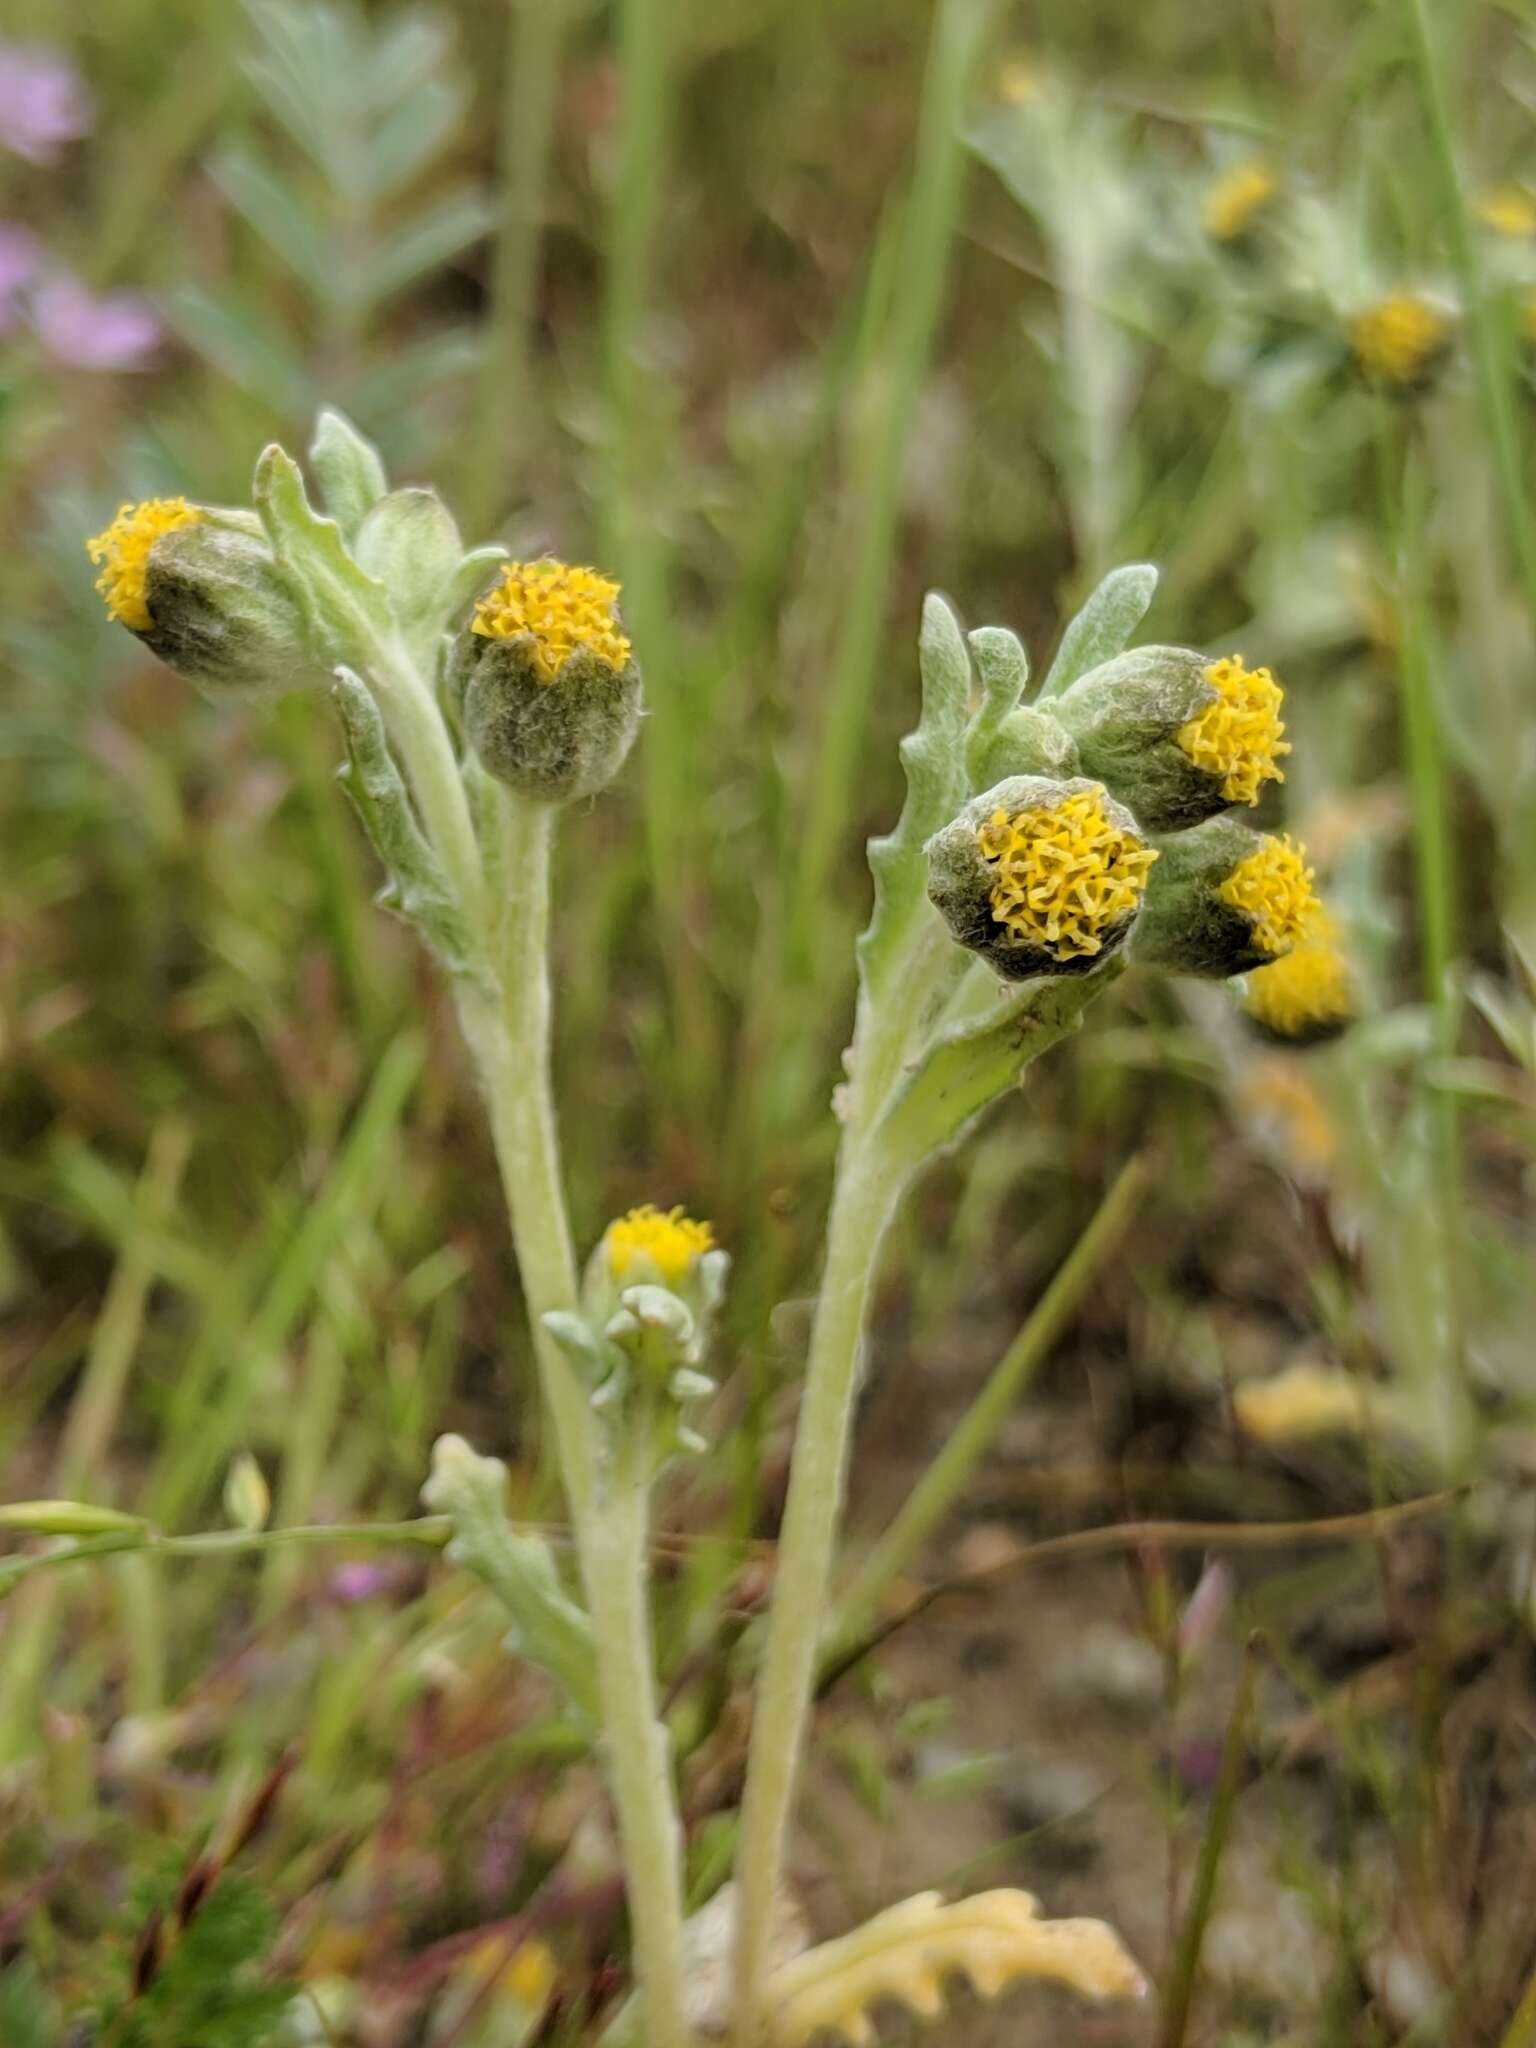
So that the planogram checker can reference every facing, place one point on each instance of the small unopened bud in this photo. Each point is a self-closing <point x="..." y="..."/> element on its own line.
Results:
<point x="1238" y="202"/>
<point x="1403" y="341"/>
<point x="1309" y="996"/>
<point x="548" y="682"/>
<point x="204" y="593"/>
<point x="1224" y="899"/>
<point x="1040" y="877"/>
<point x="247" y="1500"/>
<point x="1176" y="736"/>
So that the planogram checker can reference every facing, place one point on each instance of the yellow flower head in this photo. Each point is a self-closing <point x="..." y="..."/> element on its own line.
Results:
<point x="1310" y="992"/>
<point x="1273" y="888"/>
<point x="1397" y="340"/>
<point x="123" y="551"/>
<point x="1305" y="1400"/>
<point x="1510" y="210"/>
<point x="1019" y="79"/>
<point x="563" y="609"/>
<point x="672" y="1242"/>
<point x="1066" y="874"/>
<point x="1240" y="737"/>
<point x="1237" y="199"/>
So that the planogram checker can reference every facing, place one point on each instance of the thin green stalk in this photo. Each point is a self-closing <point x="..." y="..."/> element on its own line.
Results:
<point x="513" y="1050"/>
<point x="94" y="1413"/>
<point x="946" y="1478"/>
<point x="933" y="208"/>
<point x="1488" y="355"/>
<point x="864" y="1199"/>
<point x="636" y="1740"/>
<point x="1178" y="1995"/>
<point x="433" y="1531"/>
<point x="530" y="86"/>
<point x="418" y="729"/>
<point x="312" y="1420"/>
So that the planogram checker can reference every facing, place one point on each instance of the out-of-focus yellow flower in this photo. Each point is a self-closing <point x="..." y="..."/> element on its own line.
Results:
<point x="1066" y="873"/>
<point x="1238" y="198"/>
<point x="1304" y="1400"/>
<point x="672" y="1242"/>
<point x="1018" y="79"/>
<point x="1402" y="339"/>
<point x="123" y="550"/>
<point x="1308" y="995"/>
<point x="562" y="608"/>
<point x="1273" y="889"/>
<point x="1278" y="1095"/>
<point x="1508" y="210"/>
<point x="1241" y="736"/>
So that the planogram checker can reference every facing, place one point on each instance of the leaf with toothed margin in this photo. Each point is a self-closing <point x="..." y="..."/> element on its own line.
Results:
<point x="418" y="889"/>
<point x="934" y="760"/>
<point x="345" y="608"/>
<point x="1103" y="628"/>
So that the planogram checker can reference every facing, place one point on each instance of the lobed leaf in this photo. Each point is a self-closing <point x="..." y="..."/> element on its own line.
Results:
<point x="907" y="1952"/>
<point x="1103" y="628"/>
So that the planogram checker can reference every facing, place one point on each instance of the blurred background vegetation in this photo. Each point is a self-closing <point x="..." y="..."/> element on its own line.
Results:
<point x="784" y="313"/>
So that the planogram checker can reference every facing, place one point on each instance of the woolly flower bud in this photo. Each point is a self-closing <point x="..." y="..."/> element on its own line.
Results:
<point x="1225" y="899"/>
<point x="1175" y="736"/>
<point x="1307" y="996"/>
<point x="1238" y="199"/>
<point x="1402" y="341"/>
<point x="1039" y="876"/>
<point x="550" y="687"/>
<point x="205" y="594"/>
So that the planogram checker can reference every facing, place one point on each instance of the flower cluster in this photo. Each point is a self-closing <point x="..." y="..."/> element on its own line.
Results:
<point x="560" y="609"/>
<point x="1238" y="199"/>
<point x="123" y="551"/>
<point x="1401" y="340"/>
<point x="1050" y="872"/>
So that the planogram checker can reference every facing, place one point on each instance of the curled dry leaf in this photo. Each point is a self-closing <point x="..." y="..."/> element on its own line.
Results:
<point x="907" y="1952"/>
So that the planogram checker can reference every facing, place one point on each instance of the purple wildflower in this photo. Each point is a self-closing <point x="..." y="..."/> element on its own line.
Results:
<point x="112" y="331"/>
<point x="359" y="1580"/>
<point x="43" y="103"/>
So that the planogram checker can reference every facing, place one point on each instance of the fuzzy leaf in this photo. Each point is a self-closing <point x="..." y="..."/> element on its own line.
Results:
<point x="346" y="608"/>
<point x="907" y="1952"/>
<point x="351" y="474"/>
<point x="418" y="889"/>
<point x="1103" y="628"/>
<point x="933" y="758"/>
<point x="411" y="545"/>
<point x="1003" y="667"/>
<point x="968" y="1066"/>
<point x="548" y="1627"/>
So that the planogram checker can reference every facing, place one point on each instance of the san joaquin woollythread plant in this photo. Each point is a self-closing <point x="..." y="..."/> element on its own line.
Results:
<point x="1041" y="847"/>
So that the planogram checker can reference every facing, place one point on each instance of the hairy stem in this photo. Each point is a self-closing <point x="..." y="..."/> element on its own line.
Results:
<point x="868" y="1186"/>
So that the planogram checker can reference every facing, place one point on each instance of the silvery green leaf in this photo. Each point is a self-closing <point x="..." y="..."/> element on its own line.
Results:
<point x="967" y="1067"/>
<point x="351" y="474"/>
<point x="418" y="888"/>
<point x="933" y="758"/>
<point x="347" y="608"/>
<point x="595" y="1360"/>
<point x="1003" y="667"/>
<point x="1103" y="628"/>
<point x="410" y="544"/>
<point x="549" y="1628"/>
<point x="473" y="577"/>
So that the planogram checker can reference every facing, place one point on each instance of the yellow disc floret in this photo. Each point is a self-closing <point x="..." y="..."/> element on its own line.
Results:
<point x="1396" y="340"/>
<point x="1067" y="875"/>
<point x="1239" y="738"/>
<point x="563" y="609"/>
<point x="1237" y="199"/>
<point x="1310" y="991"/>
<point x="671" y="1241"/>
<point x="1510" y="210"/>
<point x="123" y="551"/>
<point x="1273" y="889"/>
